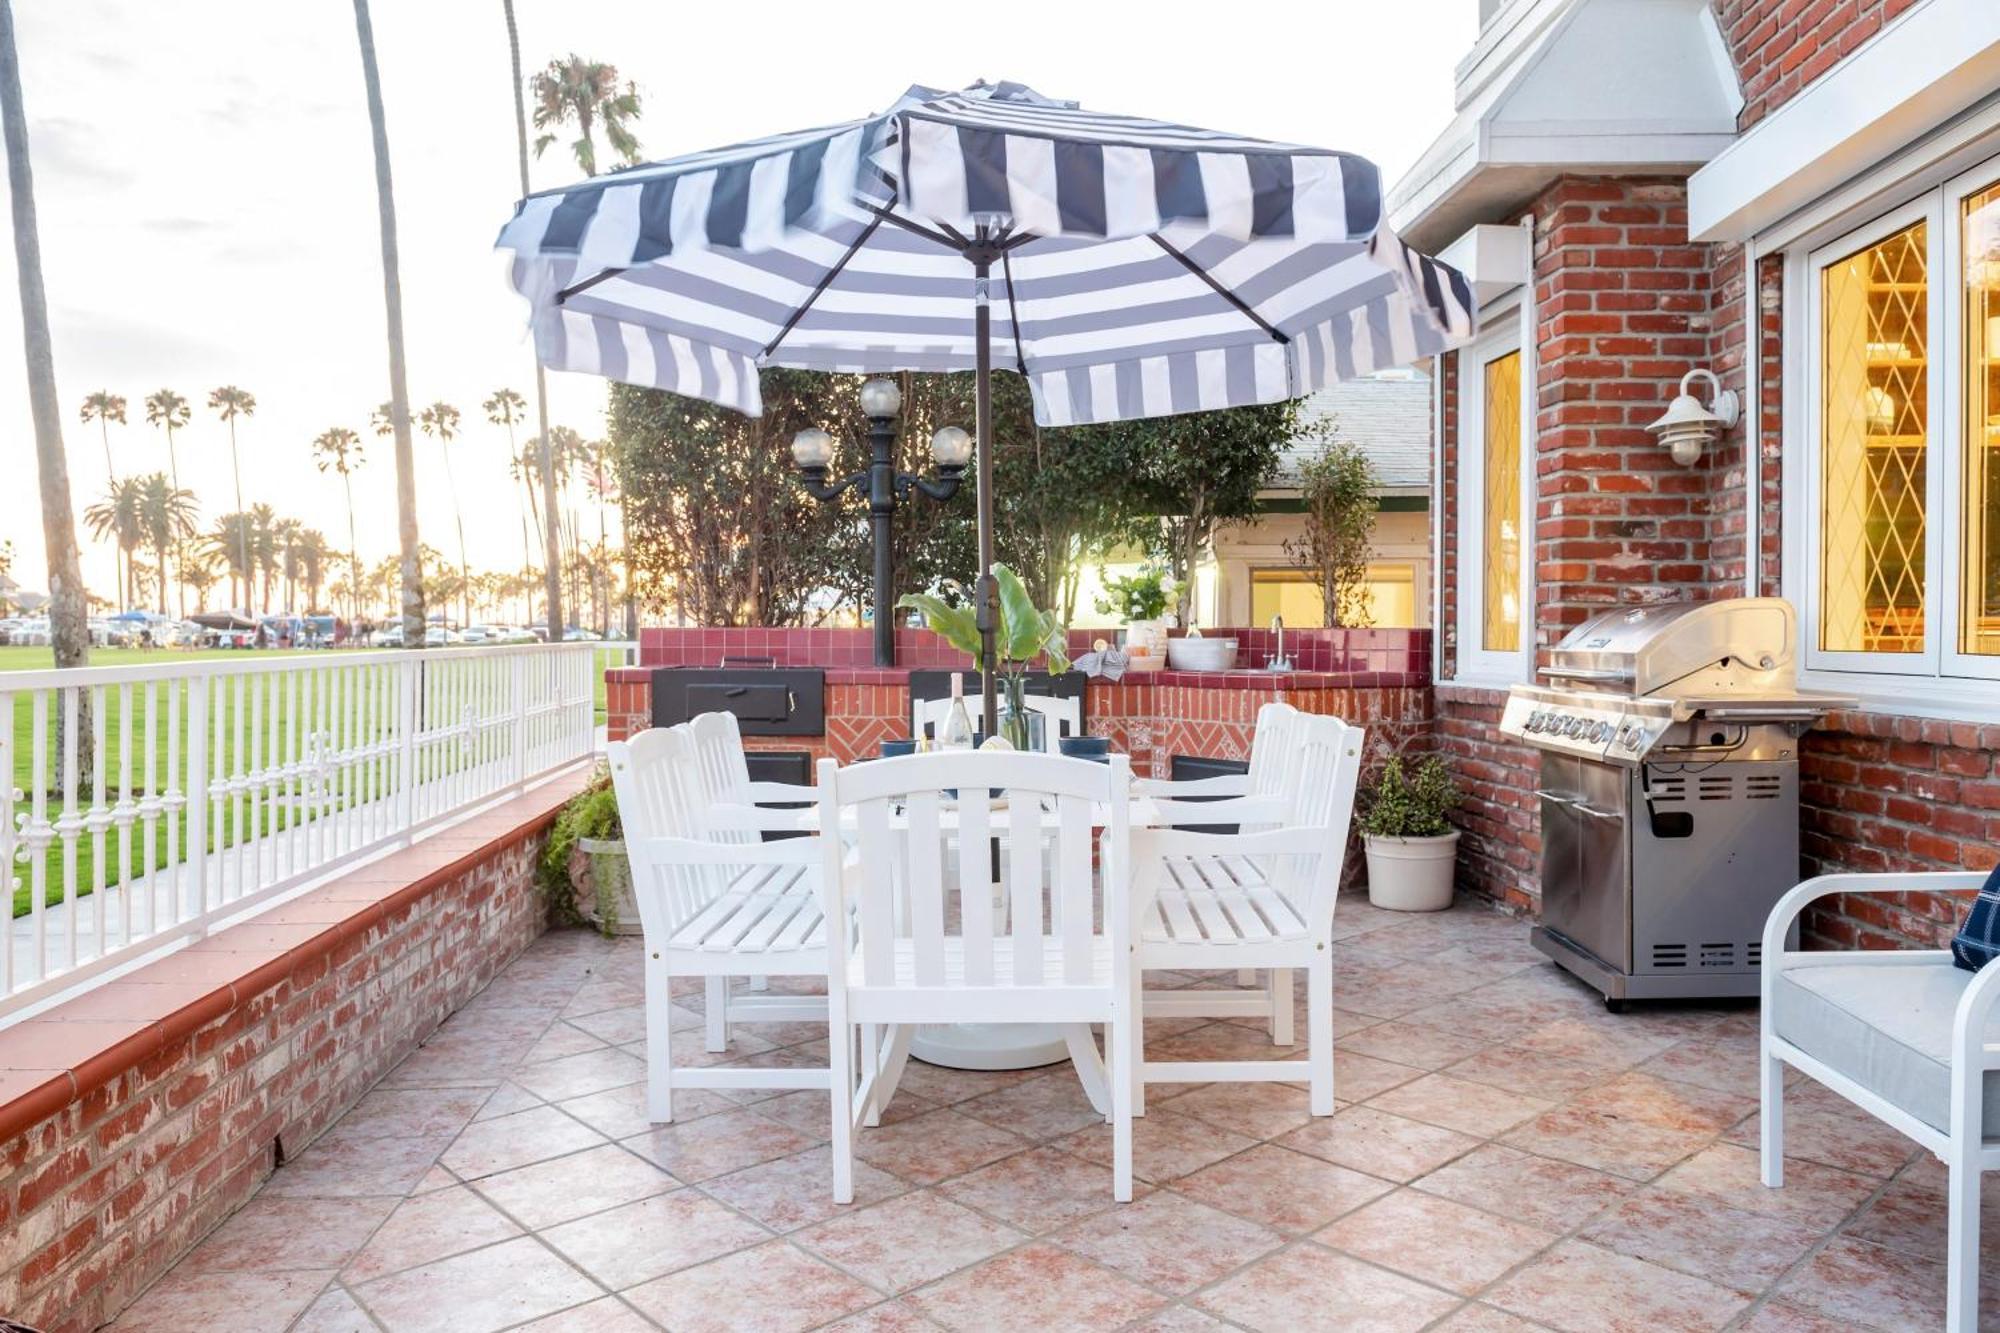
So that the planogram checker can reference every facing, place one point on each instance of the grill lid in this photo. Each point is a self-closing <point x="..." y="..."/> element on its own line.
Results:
<point x="1737" y="646"/>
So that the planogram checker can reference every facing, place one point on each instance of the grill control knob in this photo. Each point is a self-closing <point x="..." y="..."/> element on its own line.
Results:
<point x="1601" y="732"/>
<point x="1634" y="737"/>
<point x="1535" y="720"/>
<point x="1572" y="726"/>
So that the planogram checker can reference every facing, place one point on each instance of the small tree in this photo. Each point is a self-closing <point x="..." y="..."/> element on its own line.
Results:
<point x="1337" y="486"/>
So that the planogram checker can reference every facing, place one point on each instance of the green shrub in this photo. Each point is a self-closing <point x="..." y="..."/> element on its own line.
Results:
<point x="591" y="813"/>
<point x="1405" y="805"/>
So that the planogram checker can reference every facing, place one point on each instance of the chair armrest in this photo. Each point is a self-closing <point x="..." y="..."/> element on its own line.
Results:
<point x="729" y="815"/>
<point x="1165" y="842"/>
<point x="701" y="852"/>
<point x="765" y="793"/>
<point x="1227" y="810"/>
<point x="1968" y="1038"/>
<point x="1779" y="923"/>
<point x="1228" y="784"/>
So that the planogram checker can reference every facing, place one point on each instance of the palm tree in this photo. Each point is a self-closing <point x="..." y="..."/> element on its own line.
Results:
<point x="311" y="556"/>
<point x="586" y="93"/>
<point x="167" y="514"/>
<point x="603" y="487"/>
<point x="69" y="616"/>
<point x="169" y="411"/>
<point x="339" y="449"/>
<point x="120" y="515"/>
<point x="441" y="419"/>
<point x="504" y="409"/>
<point x="392" y="301"/>
<point x="105" y="407"/>
<point x="551" y="536"/>
<point x="196" y="568"/>
<point x="229" y="403"/>
<point x="284" y="534"/>
<point x="262" y="533"/>
<point x="566" y="452"/>
<point x="229" y="542"/>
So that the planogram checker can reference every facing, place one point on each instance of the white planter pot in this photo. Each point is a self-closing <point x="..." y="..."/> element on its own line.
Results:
<point x="609" y="905"/>
<point x="1411" y="874"/>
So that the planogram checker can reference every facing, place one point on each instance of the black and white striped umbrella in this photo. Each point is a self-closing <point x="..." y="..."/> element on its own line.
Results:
<point x="1137" y="268"/>
<point x="1127" y="267"/>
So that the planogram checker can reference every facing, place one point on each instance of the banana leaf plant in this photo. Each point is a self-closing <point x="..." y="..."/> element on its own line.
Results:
<point x="1024" y="633"/>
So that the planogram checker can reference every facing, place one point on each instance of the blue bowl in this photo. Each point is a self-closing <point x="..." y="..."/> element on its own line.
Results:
<point x="1086" y="747"/>
<point x="894" y="749"/>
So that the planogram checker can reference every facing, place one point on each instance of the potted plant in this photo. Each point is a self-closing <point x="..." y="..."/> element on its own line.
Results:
<point x="1141" y="599"/>
<point x="1412" y="848"/>
<point x="584" y="872"/>
<point x="1025" y="632"/>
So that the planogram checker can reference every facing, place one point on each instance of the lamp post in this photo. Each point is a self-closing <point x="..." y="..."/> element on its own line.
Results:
<point x="951" y="450"/>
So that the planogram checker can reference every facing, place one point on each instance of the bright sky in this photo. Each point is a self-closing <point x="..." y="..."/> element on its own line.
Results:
<point x="207" y="198"/>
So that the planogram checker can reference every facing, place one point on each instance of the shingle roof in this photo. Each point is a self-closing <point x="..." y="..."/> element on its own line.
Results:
<point x="1390" y="418"/>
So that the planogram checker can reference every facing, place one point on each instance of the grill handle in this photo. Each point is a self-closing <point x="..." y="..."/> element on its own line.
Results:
<point x="1576" y="803"/>
<point x="1763" y="713"/>
<point x="1602" y="674"/>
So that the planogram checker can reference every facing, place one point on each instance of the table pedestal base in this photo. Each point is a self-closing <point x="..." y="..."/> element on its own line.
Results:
<point x="989" y="1046"/>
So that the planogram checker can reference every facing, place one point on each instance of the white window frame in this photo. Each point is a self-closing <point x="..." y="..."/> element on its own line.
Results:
<point x="1507" y="323"/>
<point x="1957" y="685"/>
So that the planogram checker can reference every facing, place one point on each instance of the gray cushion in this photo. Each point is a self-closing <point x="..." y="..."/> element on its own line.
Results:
<point x="1887" y="1028"/>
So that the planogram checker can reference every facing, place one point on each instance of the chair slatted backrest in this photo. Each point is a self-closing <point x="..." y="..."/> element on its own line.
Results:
<point x="1065" y="716"/>
<point x="1324" y="772"/>
<point x="909" y="814"/>
<point x="659" y="791"/>
<point x="1273" y="753"/>
<point x="723" y="767"/>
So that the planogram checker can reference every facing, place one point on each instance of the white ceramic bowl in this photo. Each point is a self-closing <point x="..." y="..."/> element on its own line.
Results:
<point x="1184" y="654"/>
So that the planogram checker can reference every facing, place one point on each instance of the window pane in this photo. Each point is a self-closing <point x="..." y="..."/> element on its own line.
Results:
<point x="1979" y="580"/>
<point x="1873" y="448"/>
<point x="1290" y="593"/>
<point x="1502" y="584"/>
<point x="1392" y="595"/>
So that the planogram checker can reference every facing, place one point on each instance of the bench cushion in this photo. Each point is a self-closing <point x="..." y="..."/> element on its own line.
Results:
<point x="1886" y="1027"/>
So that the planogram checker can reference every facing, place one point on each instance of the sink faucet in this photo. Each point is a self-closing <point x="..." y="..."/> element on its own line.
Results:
<point x="1278" y="661"/>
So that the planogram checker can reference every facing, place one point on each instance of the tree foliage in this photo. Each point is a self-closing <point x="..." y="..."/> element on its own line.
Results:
<point x="1337" y="487"/>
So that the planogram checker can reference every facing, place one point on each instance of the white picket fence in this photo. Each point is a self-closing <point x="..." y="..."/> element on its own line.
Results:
<point x="196" y="791"/>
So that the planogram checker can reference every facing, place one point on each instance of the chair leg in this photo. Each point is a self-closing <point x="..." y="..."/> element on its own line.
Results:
<point x="871" y="1073"/>
<point x="659" y="1042"/>
<point x="840" y="1079"/>
<point x="717" y="1018"/>
<point x="1120" y="1036"/>
<point x="1771" y="1137"/>
<point x="1961" y="1313"/>
<point x="1319" y="1030"/>
<point x="1281" y="1006"/>
<point x="1138" y="1070"/>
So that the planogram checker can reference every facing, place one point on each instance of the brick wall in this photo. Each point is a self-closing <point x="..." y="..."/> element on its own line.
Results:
<point x="1500" y="851"/>
<point x="1781" y="46"/>
<point x="101" y="1197"/>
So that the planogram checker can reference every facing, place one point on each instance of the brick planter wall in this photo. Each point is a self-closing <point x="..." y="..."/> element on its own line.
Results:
<point x="143" y="1148"/>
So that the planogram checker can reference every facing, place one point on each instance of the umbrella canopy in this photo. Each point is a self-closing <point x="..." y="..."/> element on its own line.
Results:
<point x="1141" y="268"/>
<point x="1127" y="267"/>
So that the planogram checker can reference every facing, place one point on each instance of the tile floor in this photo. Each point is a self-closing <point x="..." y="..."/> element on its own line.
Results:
<point x="1506" y="1156"/>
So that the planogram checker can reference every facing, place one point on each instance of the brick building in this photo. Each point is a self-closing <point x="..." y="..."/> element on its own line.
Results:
<point x="1802" y="196"/>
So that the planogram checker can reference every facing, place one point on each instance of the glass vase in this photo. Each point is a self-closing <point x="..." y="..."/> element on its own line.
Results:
<point x="1024" y="729"/>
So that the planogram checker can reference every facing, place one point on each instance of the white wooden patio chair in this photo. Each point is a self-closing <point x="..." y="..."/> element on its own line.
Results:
<point x="1258" y="799"/>
<point x="1043" y="961"/>
<point x="1261" y="899"/>
<point x="1065" y="717"/>
<point x="712" y="909"/>
<point x="1903" y="1034"/>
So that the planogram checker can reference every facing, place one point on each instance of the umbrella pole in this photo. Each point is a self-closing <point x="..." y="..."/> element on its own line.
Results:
<point x="986" y="611"/>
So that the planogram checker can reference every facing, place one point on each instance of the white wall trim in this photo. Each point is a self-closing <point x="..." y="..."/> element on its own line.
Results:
<point x="1930" y="64"/>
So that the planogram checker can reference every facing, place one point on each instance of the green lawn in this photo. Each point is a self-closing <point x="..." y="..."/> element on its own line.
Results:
<point x="365" y="783"/>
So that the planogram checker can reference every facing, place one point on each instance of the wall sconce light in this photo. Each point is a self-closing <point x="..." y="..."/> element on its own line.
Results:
<point x="1686" y="428"/>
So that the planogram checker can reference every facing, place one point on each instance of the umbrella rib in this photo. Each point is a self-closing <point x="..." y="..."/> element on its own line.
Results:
<point x="1013" y="312"/>
<point x="936" y="238"/>
<point x="826" y="280"/>
<point x="586" y="284"/>
<point x="1219" y="289"/>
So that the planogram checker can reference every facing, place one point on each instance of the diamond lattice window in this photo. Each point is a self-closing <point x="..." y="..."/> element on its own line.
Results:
<point x="1874" y="447"/>
<point x="1979" y="579"/>
<point x="1501" y="627"/>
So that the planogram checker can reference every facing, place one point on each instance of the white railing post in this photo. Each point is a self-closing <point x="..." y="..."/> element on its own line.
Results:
<point x="407" y="683"/>
<point x="517" y="678"/>
<point x="194" y="888"/>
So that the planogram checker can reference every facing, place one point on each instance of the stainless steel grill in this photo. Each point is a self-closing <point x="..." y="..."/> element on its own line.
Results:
<point x="1669" y="793"/>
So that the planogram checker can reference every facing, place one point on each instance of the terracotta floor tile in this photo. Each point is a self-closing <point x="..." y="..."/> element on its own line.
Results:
<point x="1380" y="1144"/>
<point x="1165" y="1146"/>
<point x="616" y="1025"/>
<point x="1725" y="1061"/>
<point x="1039" y="1288"/>
<point x="1409" y="1044"/>
<point x="907" y="1241"/>
<point x="337" y="1165"/>
<point x="334" y="1312"/>
<point x="491" y="1146"/>
<point x="808" y="1111"/>
<point x="1282" y="1189"/>
<point x="274" y="1232"/>
<point x="607" y="1314"/>
<point x="1460" y="1104"/>
<point x="1584" y="1289"/>
<point x="478" y="1291"/>
<point x="505" y="1100"/>
<point x="563" y="1039"/>
<point x="619" y="1113"/>
<point x="1037" y="1190"/>
<point x="1039" y="1109"/>
<point x="580" y="1075"/>
<point x="935" y="1146"/>
<point x="1910" y="1214"/>
<point x="545" y="1193"/>
<point x="1776" y="1317"/>
<point x="429" y="1227"/>
<point x="888" y="1317"/>
<point x="1260" y="1110"/>
<point x="1840" y="1137"/>
<point x="1177" y="1319"/>
<point x="222" y="1302"/>
<point x="716" y="1144"/>
<point x="1310" y="1289"/>
<point x="1540" y="1191"/>
<point x="1477" y="1318"/>
<point x="1634" y="1126"/>
<point x="1870" y="1286"/>
<point x="773" y="1288"/>
<point x="935" y="1083"/>
<point x="1435" y="1240"/>
<point x="412" y="1113"/>
<point x="1528" y="1073"/>
<point x="1223" y="1041"/>
<point x="796" y="1191"/>
<point x="1747" y="1251"/>
<point x="1730" y="1176"/>
<point x="1169" y="1242"/>
<point x="1595" y="1043"/>
<point x="1357" y="1077"/>
<point x="640" y="1241"/>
